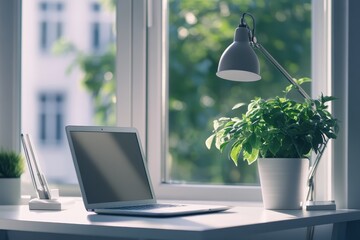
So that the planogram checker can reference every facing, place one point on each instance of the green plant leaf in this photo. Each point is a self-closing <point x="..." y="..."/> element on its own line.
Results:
<point x="303" y="80"/>
<point x="328" y="98"/>
<point x="253" y="140"/>
<point x="209" y="141"/>
<point x="238" y="105"/>
<point x="223" y="146"/>
<point x="219" y="139"/>
<point x="274" y="146"/>
<point x="288" y="89"/>
<point x="235" y="152"/>
<point x="252" y="156"/>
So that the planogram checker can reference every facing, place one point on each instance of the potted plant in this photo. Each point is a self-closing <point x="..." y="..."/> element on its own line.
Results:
<point x="278" y="132"/>
<point x="11" y="168"/>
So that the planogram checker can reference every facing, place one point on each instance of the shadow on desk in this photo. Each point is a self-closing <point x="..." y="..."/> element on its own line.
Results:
<point x="181" y="221"/>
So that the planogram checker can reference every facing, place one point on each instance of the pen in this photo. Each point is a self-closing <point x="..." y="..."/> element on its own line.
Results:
<point x="44" y="192"/>
<point x="29" y="164"/>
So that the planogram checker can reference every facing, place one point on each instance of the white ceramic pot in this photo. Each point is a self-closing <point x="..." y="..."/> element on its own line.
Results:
<point x="10" y="191"/>
<point x="283" y="182"/>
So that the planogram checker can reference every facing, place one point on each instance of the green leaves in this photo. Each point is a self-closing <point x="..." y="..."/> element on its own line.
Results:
<point x="277" y="127"/>
<point x="299" y="82"/>
<point x="238" y="106"/>
<point x="235" y="152"/>
<point x="209" y="141"/>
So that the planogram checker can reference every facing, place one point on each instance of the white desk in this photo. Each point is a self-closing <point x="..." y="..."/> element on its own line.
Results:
<point x="234" y="224"/>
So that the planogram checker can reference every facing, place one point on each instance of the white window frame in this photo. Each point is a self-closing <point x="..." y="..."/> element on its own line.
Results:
<point x="157" y="110"/>
<point x="131" y="65"/>
<point x="322" y="83"/>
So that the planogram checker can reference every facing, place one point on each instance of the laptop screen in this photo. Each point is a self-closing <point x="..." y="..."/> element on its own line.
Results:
<point x="111" y="166"/>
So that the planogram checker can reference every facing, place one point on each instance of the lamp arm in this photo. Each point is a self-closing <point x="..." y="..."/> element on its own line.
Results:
<point x="280" y="68"/>
<point x="270" y="58"/>
<point x="310" y="193"/>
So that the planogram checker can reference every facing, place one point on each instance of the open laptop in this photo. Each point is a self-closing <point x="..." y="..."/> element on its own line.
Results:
<point x="113" y="174"/>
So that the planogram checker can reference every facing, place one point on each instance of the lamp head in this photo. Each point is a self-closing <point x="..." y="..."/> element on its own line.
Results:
<point x="239" y="61"/>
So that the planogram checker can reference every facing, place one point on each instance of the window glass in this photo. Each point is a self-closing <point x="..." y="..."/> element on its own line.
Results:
<point x="198" y="33"/>
<point x="68" y="77"/>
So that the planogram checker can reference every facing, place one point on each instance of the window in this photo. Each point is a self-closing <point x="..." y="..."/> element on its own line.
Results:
<point x="146" y="50"/>
<point x="198" y="33"/>
<point x="102" y="32"/>
<point x="194" y="35"/>
<point x="96" y="36"/>
<point x="51" y="23"/>
<point x="51" y="118"/>
<point x="71" y="83"/>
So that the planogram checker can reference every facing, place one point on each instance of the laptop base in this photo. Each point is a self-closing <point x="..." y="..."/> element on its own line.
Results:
<point x="181" y="210"/>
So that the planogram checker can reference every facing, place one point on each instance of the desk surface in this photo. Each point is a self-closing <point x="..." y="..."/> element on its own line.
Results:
<point x="233" y="223"/>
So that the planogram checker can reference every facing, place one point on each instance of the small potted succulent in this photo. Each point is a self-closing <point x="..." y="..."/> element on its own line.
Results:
<point x="11" y="168"/>
<point x="278" y="132"/>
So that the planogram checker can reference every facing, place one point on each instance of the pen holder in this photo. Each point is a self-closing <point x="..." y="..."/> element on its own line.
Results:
<point x="55" y="203"/>
<point x="54" y="193"/>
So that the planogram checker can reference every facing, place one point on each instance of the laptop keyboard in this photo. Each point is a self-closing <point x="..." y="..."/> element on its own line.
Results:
<point x="149" y="206"/>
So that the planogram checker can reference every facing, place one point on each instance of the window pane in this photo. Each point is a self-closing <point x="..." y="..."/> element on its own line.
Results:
<point x="199" y="31"/>
<point x="67" y="75"/>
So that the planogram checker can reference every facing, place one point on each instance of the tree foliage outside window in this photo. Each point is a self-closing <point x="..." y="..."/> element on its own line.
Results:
<point x="198" y="33"/>
<point x="99" y="80"/>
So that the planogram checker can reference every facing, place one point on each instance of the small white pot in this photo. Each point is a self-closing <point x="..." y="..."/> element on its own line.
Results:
<point x="283" y="182"/>
<point x="10" y="191"/>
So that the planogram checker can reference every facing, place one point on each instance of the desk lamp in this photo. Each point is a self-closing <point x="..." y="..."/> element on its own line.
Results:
<point x="240" y="63"/>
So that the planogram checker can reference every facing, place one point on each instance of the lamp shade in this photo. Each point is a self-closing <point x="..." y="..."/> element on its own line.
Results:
<point x="239" y="61"/>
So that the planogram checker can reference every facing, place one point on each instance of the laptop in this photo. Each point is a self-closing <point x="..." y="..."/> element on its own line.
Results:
<point x="113" y="174"/>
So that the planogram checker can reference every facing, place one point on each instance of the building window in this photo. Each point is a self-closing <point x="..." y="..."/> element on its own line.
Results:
<point x="51" y="118"/>
<point x="51" y="23"/>
<point x="101" y="28"/>
<point x="96" y="36"/>
<point x="95" y="7"/>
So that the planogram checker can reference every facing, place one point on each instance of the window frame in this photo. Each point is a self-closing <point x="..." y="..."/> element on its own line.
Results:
<point x="139" y="95"/>
<point x="131" y="65"/>
<point x="157" y="111"/>
<point x="322" y="69"/>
